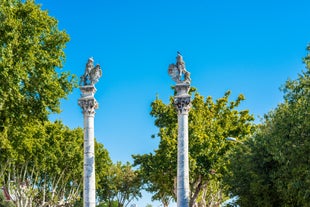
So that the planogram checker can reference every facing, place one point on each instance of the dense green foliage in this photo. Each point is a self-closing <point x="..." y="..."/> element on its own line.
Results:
<point x="39" y="160"/>
<point x="47" y="167"/>
<point x="121" y="185"/>
<point x="209" y="124"/>
<point x="273" y="168"/>
<point x="47" y="164"/>
<point x="31" y="53"/>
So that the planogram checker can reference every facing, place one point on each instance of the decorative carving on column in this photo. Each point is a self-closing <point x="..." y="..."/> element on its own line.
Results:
<point x="182" y="104"/>
<point x="88" y="106"/>
<point x="92" y="73"/>
<point x="178" y="71"/>
<point x="87" y="101"/>
<point x="182" y="100"/>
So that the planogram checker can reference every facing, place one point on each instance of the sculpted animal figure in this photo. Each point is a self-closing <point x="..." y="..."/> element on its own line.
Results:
<point x="91" y="74"/>
<point x="95" y="74"/>
<point x="178" y="71"/>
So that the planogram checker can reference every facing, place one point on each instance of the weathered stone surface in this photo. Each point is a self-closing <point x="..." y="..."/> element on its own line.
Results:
<point x="178" y="71"/>
<point x="89" y="104"/>
<point x="182" y="102"/>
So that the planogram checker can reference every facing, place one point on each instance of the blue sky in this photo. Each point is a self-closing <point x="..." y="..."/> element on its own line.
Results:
<point x="248" y="47"/>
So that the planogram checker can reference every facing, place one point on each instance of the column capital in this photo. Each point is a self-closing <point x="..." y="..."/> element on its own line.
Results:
<point x="182" y="100"/>
<point x="88" y="105"/>
<point x="87" y="101"/>
<point x="182" y="104"/>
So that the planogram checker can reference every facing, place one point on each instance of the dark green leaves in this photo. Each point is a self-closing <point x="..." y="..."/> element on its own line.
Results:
<point x="273" y="168"/>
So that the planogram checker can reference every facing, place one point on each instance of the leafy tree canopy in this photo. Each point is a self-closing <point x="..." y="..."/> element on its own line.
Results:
<point x="210" y="123"/>
<point x="31" y="52"/>
<point x="48" y="162"/>
<point x="273" y="168"/>
<point x="121" y="185"/>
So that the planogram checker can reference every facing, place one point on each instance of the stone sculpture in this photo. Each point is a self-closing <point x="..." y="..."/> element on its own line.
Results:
<point x="91" y="74"/>
<point x="178" y="71"/>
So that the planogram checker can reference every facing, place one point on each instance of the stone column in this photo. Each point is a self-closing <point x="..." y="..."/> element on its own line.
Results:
<point x="182" y="102"/>
<point x="88" y="104"/>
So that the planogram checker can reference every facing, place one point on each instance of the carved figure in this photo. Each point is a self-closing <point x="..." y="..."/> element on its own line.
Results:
<point x="95" y="74"/>
<point x="91" y="74"/>
<point x="178" y="71"/>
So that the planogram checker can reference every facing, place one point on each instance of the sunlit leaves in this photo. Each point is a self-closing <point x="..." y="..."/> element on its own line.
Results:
<point x="121" y="183"/>
<point x="210" y="122"/>
<point x="31" y="49"/>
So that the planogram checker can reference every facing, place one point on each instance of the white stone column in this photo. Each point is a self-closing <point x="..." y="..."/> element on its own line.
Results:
<point x="89" y="104"/>
<point x="182" y="103"/>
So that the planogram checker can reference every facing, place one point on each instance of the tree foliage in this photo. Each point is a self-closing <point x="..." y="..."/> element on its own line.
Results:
<point x="31" y="53"/>
<point x="47" y="167"/>
<point x="40" y="161"/>
<point x="210" y="122"/>
<point x="273" y="168"/>
<point x="32" y="152"/>
<point x="122" y="184"/>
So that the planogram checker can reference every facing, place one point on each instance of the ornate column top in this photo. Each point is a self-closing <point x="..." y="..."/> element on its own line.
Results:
<point x="182" y="104"/>
<point x="178" y="71"/>
<point x="92" y="73"/>
<point x="91" y="76"/>
<point x="182" y="100"/>
<point x="88" y="105"/>
<point x="181" y="76"/>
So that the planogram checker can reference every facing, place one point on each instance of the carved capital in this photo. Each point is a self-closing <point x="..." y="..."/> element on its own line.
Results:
<point x="88" y="105"/>
<point x="182" y="104"/>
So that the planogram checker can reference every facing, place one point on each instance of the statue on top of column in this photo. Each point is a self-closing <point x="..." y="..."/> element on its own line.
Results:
<point x="178" y="71"/>
<point x="92" y="73"/>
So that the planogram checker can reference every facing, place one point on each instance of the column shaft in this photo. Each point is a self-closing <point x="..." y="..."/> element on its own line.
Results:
<point x="89" y="162"/>
<point x="183" y="166"/>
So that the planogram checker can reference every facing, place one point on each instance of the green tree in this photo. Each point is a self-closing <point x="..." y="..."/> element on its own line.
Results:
<point x="103" y="164"/>
<point x="43" y="158"/>
<point x="31" y="54"/>
<point x="209" y="124"/>
<point x="122" y="184"/>
<point x="48" y="165"/>
<point x="272" y="169"/>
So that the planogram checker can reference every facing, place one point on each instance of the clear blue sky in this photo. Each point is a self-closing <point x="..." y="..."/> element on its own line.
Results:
<point x="248" y="47"/>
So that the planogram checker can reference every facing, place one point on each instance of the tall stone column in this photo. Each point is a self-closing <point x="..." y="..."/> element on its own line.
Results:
<point x="182" y="102"/>
<point x="88" y="104"/>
